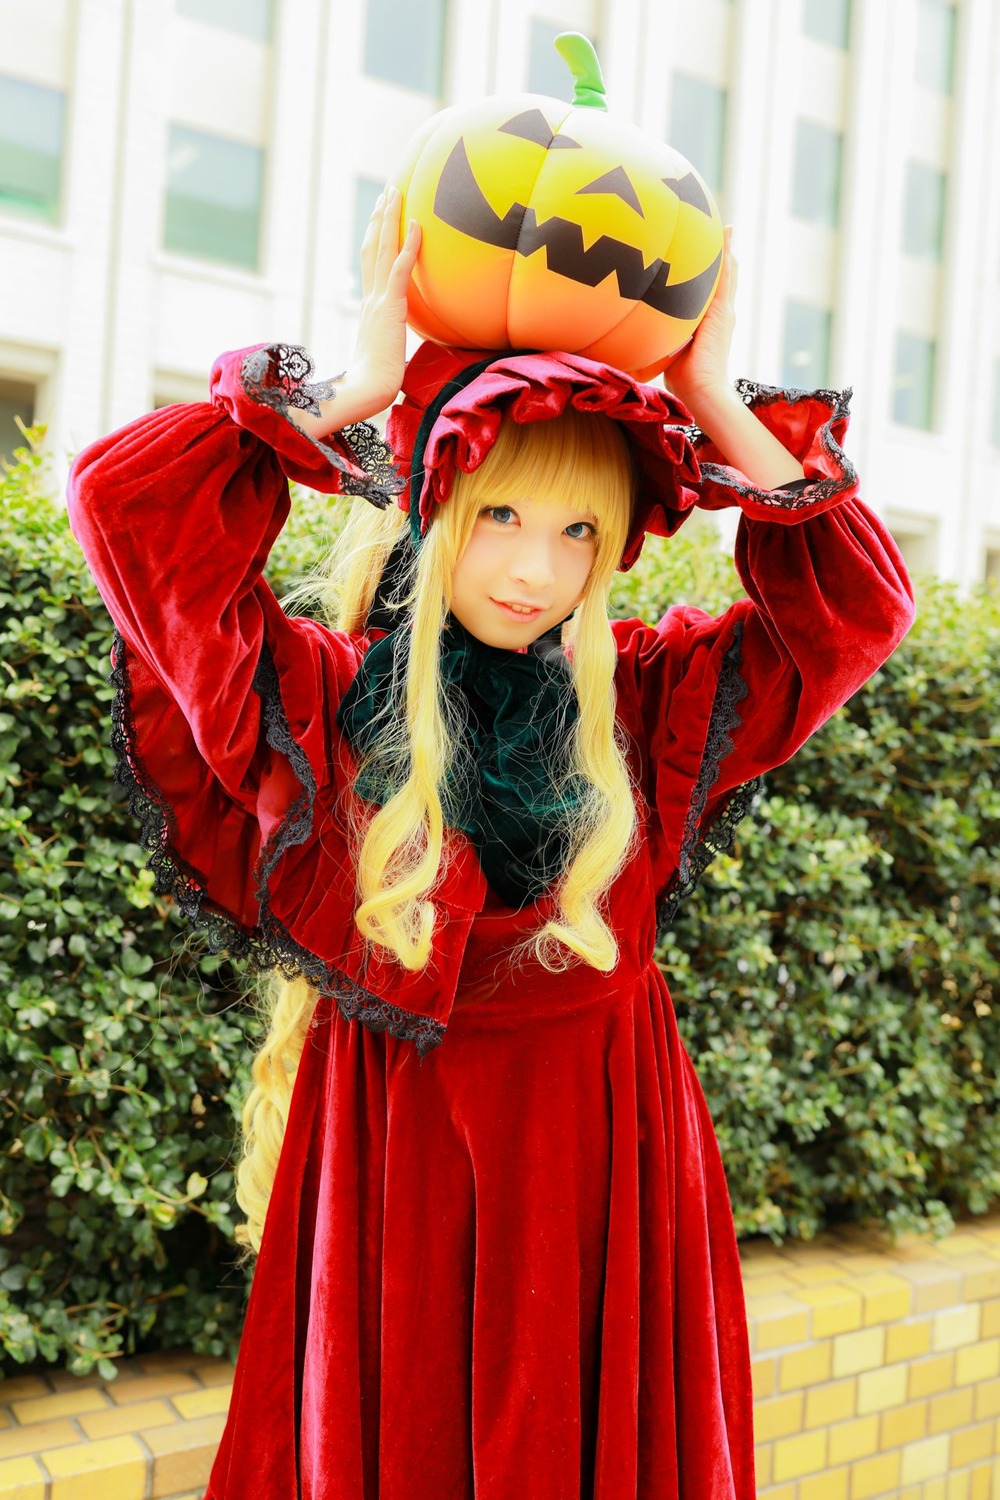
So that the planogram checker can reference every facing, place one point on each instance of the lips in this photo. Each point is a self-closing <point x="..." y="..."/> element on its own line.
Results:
<point x="519" y="611"/>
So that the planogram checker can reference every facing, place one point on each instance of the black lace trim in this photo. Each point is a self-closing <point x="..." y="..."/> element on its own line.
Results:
<point x="800" y="493"/>
<point x="274" y="947"/>
<point x="278" y="377"/>
<point x="698" y="849"/>
<point x="373" y="454"/>
<point x="157" y="827"/>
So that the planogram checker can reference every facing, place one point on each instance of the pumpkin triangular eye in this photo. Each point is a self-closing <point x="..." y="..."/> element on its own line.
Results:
<point x="616" y="181"/>
<point x="530" y="126"/>
<point x="689" y="190"/>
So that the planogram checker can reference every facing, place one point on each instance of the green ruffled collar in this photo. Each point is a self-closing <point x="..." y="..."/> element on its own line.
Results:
<point x="510" y="788"/>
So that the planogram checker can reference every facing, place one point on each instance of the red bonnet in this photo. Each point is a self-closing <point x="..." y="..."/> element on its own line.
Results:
<point x="471" y="397"/>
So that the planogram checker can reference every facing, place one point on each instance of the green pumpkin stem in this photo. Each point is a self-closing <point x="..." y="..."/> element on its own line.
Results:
<point x="588" y="84"/>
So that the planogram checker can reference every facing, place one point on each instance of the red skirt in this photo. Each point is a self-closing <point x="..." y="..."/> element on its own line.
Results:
<point x="505" y="1270"/>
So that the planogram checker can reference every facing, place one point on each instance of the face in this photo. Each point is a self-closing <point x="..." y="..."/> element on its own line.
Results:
<point x="524" y="570"/>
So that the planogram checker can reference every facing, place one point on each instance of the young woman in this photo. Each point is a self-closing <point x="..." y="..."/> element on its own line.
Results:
<point x="498" y="1257"/>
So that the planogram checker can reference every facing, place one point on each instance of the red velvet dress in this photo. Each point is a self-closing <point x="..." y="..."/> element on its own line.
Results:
<point x="499" y="1260"/>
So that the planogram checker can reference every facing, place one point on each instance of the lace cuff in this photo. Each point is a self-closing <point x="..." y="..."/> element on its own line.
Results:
<point x="811" y="425"/>
<point x="259" y="386"/>
<point x="705" y="838"/>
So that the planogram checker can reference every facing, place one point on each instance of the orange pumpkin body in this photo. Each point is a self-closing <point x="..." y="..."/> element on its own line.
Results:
<point x="552" y="226"/>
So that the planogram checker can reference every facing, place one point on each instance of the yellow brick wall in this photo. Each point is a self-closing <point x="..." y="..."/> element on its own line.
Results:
<point x="877" y="1369"/>
<point x="876" y="1375"/>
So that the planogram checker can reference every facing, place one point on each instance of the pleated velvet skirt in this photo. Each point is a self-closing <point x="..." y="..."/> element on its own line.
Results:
<point x="505" y="1271"/>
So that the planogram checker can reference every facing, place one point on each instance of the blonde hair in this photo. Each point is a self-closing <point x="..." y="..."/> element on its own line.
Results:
<point x="400" y="856"/>
<point x="401" y="845"/>
<point x="287" y="1007"/>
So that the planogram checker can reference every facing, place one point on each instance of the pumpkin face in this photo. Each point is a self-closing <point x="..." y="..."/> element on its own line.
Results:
<point x="552" y="226"/>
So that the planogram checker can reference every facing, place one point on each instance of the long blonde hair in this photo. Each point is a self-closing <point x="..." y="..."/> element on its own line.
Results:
<point x="401" y="851"/>
<point x="401" y="845"/>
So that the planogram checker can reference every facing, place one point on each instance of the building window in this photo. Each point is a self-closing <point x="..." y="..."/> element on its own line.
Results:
<point x="827" y="21"/>
<point x="806" y="356"/>
<point x="816" y="180"/>
<point x="698" y="125"/>
<point x="31" y="145"/>
<point x="366" y="190"/>
<point x="17" y="400"/>
<point x="213" y="198"/>
<point x="923" y="214"/>
<point x="547" y="72"/>
<point x="249" y="17"/>
<point x="913" y="384"/>
<point x="404" y="44"/>
<point x="935" y="59"/>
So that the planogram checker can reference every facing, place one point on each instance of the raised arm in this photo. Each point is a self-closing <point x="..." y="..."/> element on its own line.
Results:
<point x="723" y="700"/>
<point x="699" y="376"/>
<point x="177" y="513"/>
<point x="373" y="379"/>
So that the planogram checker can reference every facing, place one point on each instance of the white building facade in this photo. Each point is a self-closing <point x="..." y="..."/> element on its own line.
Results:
<point x="179" y="177"/>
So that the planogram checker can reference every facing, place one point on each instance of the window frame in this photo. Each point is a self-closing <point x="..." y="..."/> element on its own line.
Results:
<point x="197" y="13"/>
<point x="822" y="375"/>
<point x="239" y="266"/>
<point x="804" y="177"/>
<point x="898" y="394"/>
<point x="715" y="181"/>
<point x="372" y="34"/>
<point x="20" y="207"/>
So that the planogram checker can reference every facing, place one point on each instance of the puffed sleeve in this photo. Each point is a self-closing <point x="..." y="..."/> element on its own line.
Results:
<point x="224" y="719"/>
<point x="719" y="701"/>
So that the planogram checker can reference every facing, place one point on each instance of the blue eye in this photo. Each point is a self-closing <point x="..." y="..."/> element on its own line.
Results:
<point x="499" y="513"/>
<point x="580" y="530"/>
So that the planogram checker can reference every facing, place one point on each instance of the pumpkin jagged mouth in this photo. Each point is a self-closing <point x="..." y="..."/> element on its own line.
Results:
<point x="460" y="203"/>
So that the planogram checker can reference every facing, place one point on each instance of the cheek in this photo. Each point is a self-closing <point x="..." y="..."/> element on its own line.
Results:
<point x="578" y="571"/>
<point x="472" y="562"/>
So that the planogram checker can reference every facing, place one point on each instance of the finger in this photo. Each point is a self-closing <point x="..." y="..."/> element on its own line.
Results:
<point x="402" y="267"/>
<point x="726" y="290"/>
<point x="369" y="246"/>
<point x="388" y="240"/>
<point x="732" y="264"/>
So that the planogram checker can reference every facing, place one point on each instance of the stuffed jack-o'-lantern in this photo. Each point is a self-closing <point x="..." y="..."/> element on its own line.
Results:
<point x="548" y="225"/>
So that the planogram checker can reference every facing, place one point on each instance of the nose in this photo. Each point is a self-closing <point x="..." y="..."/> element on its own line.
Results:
<point x="533" y="564"/>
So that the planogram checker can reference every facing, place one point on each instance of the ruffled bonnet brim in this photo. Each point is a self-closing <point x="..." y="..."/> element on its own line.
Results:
<point x="454" y="401"/>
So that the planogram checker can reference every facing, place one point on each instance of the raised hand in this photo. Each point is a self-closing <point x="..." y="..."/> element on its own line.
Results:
<point x="701" y="369"/>
<point x="376" y="371"/>
<point x="375" y="374"/>
<point x="699" y="376"/>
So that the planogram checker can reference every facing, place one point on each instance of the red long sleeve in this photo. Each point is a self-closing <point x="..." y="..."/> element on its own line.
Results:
<point x="720" y="701"/>
<point x="225" y="718"/>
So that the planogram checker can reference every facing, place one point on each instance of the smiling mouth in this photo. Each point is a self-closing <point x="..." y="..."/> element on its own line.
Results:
<point x="526" y="610"/>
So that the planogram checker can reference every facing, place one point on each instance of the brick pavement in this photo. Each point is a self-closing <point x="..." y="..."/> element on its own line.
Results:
<point x="149" y="1435"/>
<point x="876" y="1377"/>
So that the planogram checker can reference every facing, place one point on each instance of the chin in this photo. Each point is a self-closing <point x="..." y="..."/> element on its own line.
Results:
<point x="506" y="640"/>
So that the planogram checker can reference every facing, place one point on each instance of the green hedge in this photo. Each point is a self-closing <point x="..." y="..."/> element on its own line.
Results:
<point x="120" y="1050"/>
<point x="833" y="978"/>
